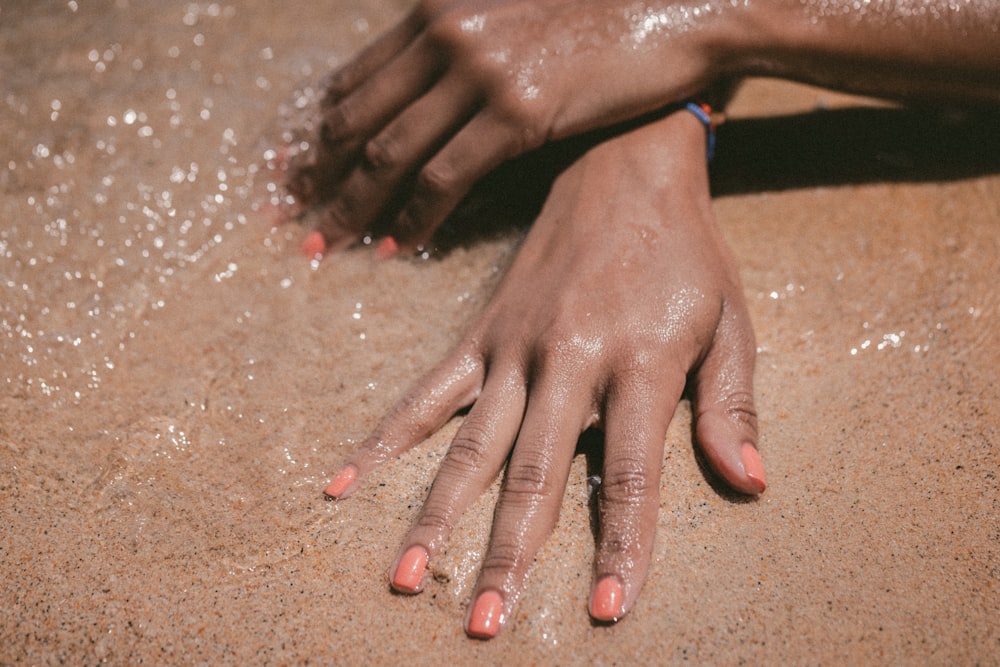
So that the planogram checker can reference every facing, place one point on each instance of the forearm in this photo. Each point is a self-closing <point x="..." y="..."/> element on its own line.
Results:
<point x="932" y="50"/>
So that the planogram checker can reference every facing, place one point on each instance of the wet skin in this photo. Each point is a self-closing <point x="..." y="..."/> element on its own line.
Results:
<point x="459" y="87"/>
<point x="633" y="295"/>
<point x="462" y="85"/>
<point x="623" y="293"/>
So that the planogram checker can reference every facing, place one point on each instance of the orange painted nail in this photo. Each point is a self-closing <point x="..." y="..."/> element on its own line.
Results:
<point x="486" y="615"/>
<point x="753" y="467"/>
<point x="387" y="248"/>
<point x="410" y="571"/>
<point x="314" y="245"/>
<point x="340" y="483"/>
<point x="606" y="600"/>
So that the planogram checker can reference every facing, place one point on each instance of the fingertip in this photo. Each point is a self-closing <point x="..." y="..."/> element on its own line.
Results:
<point x="314" y="245"/>
<point x="729" y="446"/>
<point x="753" y="468"/>
<point x="607" y="600"/>
<point x="387" y="248"/>
<point x="409" y="574"/>
<point x="342" y="483"/>
<point x="485" y="616"/>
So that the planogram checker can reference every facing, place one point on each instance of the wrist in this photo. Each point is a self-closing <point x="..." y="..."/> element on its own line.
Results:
<point x="675" y="143"/>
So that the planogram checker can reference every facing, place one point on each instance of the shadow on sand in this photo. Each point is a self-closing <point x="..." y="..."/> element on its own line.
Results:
<point x="825" y="148"/>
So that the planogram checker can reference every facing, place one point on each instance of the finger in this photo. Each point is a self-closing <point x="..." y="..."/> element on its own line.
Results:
<point x="380" y="97"/>
<point x="312" y="177"/>
<point x="372" y="58"/>
<point x="636" y="419"/>
<point x="529" y="503"/>
<point x="392" y="156"/>
<point x="450" y="386"/>
<point x="726" y="418"/>
<point x="479" y="147"/>
<point x="473" y="461"/>
<point x="348" y="124"/>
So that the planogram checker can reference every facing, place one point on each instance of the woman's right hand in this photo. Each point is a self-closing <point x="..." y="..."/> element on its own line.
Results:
<point x="462" y="85"/>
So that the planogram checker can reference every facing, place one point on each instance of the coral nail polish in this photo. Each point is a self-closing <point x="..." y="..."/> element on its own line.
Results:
<point x="606" y="600"/>
<point x="753" y="467"/>
<point x="340" y="483"/>
<point x="410" y="571"/>
<point x="486" y="615"/>
<point x="387" y="248"/>
<point x="314" y="245"/>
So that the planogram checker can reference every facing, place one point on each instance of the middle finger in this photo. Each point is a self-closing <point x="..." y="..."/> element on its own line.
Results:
<point x="529" y="501"/>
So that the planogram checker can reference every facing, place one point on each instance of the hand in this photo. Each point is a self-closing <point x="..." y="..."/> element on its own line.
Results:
<point x="622" y="293"/>
<point x="463" y="85"/>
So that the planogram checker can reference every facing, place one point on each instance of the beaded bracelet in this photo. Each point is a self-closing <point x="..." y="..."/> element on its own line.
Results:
<point x="704" y="113"/>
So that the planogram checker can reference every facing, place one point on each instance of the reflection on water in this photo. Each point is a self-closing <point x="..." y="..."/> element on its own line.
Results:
<point x="174" y="372"/>
<point x="131" y="152"/>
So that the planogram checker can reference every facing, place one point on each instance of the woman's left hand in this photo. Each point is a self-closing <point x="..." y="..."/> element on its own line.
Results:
<point x="622" y="294"/>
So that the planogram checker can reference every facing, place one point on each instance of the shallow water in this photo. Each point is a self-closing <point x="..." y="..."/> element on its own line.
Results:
<point x="178" y="383"/>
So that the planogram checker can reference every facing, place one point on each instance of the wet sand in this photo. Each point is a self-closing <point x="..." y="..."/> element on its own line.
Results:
<point x="178" y="382"/>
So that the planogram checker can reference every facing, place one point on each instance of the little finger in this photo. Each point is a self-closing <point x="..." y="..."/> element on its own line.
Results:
<point x="450" y="386"/>
<point x="725" y="414"/>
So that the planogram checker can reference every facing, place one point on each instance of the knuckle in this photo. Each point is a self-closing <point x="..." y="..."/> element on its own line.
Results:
<point x="640" y="361"/>
<point x="468" y="450"/>
<point x="626" y="483"/>
<point x="735" y="408"/>
<point x="435" y="181"/>
<point x="375" y="451"/>
<point x="341" y="120"/>
<point x="336" y="85"/>
<point x="517" y="106"/>
<point x="524" y="120"/>
<point x="503" y="557"/>
<point x="413" y="409"/>
<point x="448" y="26"/>
<point x="435" y="520"/>
<point x="615" y="542"/>
<point x="564" y="345"/>
<point x="383" y="152"/>
<point x="528" y="482"/>
<point x="740" y="408"/>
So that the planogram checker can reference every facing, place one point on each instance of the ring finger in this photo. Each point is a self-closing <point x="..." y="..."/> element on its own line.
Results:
<point x="473" y="461"/>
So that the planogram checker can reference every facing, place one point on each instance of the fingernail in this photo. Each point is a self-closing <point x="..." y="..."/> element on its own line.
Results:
<point x="340" y="483"/>
<point x="387" y="248"/>
<point x="606" y="600"/>
<point x="410" y="571"/>
<point x="486" y="615"/>
<point x="753" y="467"/>
<point x="315" y="245"/>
